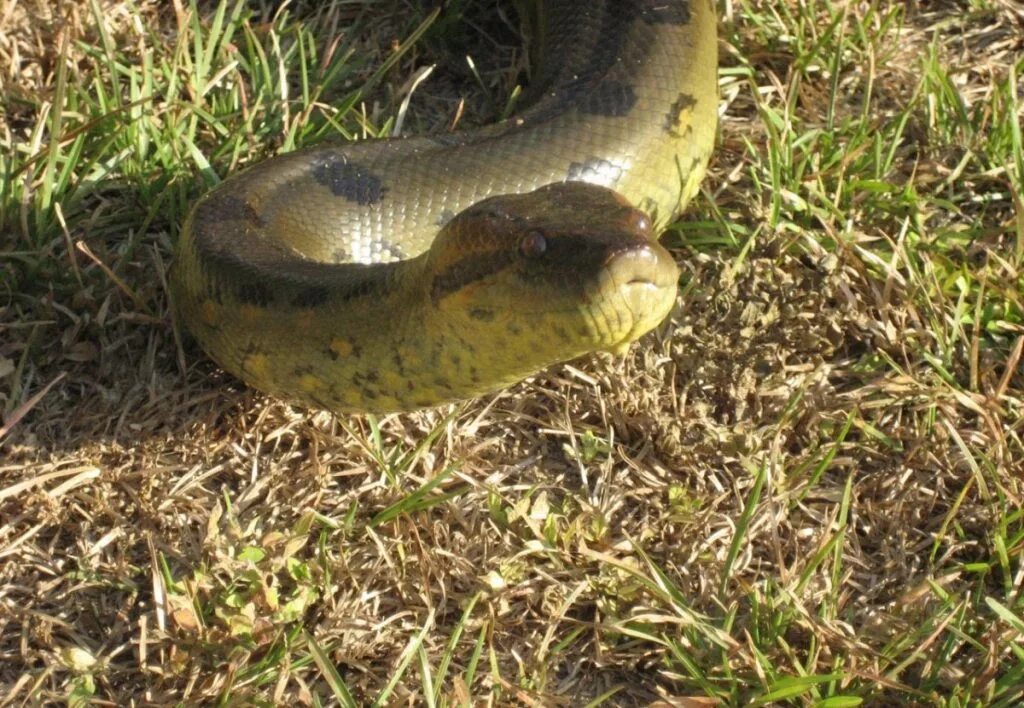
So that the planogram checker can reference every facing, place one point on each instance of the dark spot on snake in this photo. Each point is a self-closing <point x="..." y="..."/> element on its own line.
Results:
<point x="666" y="12"/>
<point x="587" y="85"/>
<point x="226" y="207"/>
<point x="362" y="381"/>
<point x="443" y="382"/>
<point x="310" y="297"/>
<point x="474" y="375"/>
<point x="466" y="345"/>
<point x="609" y="98"/>
<point x="410" y="386"/>
<point x="684" y="103"/>
<point x="594" y="169"/>
<point x="254" y="293"/>
<point x="514" y="329"/>
<point x="455" y="359"/>
<point x="364" y="281"/>
<point x="300" y="371"/>
<point x="482" y="314"/>
<point x="561" y="332"/>
<point x="468" y="270"/>
<point x="348" y="180"/>
<point x="339" y="256"/>
<point x="213" y="290"/>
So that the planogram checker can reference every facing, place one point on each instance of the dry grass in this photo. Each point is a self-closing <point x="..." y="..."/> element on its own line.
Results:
<point x="805" y="488"/>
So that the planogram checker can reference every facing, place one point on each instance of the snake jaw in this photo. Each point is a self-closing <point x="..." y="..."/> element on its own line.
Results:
<point x="638" y="286"/>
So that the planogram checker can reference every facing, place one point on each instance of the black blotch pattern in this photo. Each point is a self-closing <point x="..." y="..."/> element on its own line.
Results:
<point x="358" y="289"/>
<point x="666" y="12"/>
<point x="364" y="280"/>
<point x="348" y="180"/>
<point x="482" y="314"/>
<point x="226" y="207"/>
<point x="684" y="102"/>
<point x="365" y="381"/>
<point x="255" y="293"/>
<point x="310" y="297"/>
<point x="219" y="224"/>
<point x="466" y="271"/>
<point x="214" y="289"/>
<point x="613" y="99"/>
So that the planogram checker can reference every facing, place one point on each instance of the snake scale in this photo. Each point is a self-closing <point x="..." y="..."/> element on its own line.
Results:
<point x="403" y="273"/>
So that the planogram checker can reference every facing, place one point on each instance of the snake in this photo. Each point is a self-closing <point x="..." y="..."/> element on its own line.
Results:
<point x="402" y="273"/>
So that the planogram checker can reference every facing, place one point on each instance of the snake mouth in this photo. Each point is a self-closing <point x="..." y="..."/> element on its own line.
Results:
<point x="638" y="287"/>
<point x="646" y="266"/>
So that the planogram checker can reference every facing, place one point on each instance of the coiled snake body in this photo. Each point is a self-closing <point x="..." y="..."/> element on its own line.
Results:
<point x="396" y="274"/>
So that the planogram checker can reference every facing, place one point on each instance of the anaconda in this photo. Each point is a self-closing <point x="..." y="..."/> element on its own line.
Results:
<point x="403" y="273"/>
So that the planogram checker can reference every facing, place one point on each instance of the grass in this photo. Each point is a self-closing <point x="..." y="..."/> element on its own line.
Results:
<point x="805" y="489"/>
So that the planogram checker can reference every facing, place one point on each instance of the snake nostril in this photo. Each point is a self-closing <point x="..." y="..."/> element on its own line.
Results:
<point x="641" y="223"/>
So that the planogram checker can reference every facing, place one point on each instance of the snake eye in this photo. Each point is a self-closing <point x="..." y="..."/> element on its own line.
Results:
<point x="533" y="245"/>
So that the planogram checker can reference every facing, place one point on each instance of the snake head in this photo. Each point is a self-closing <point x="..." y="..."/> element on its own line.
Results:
<point x="557" y="272"/>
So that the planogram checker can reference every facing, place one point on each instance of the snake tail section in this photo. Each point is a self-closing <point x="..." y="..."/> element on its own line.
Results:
<point x="398" y="274"/>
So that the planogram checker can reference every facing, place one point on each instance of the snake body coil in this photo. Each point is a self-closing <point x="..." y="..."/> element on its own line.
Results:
<point x="396" y="274"/>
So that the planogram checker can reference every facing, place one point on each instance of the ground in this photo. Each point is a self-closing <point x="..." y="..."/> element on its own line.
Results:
<point x="805" y="487"/>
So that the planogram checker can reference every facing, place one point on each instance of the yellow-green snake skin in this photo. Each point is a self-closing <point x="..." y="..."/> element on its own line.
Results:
<point x="397" y="274"/>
